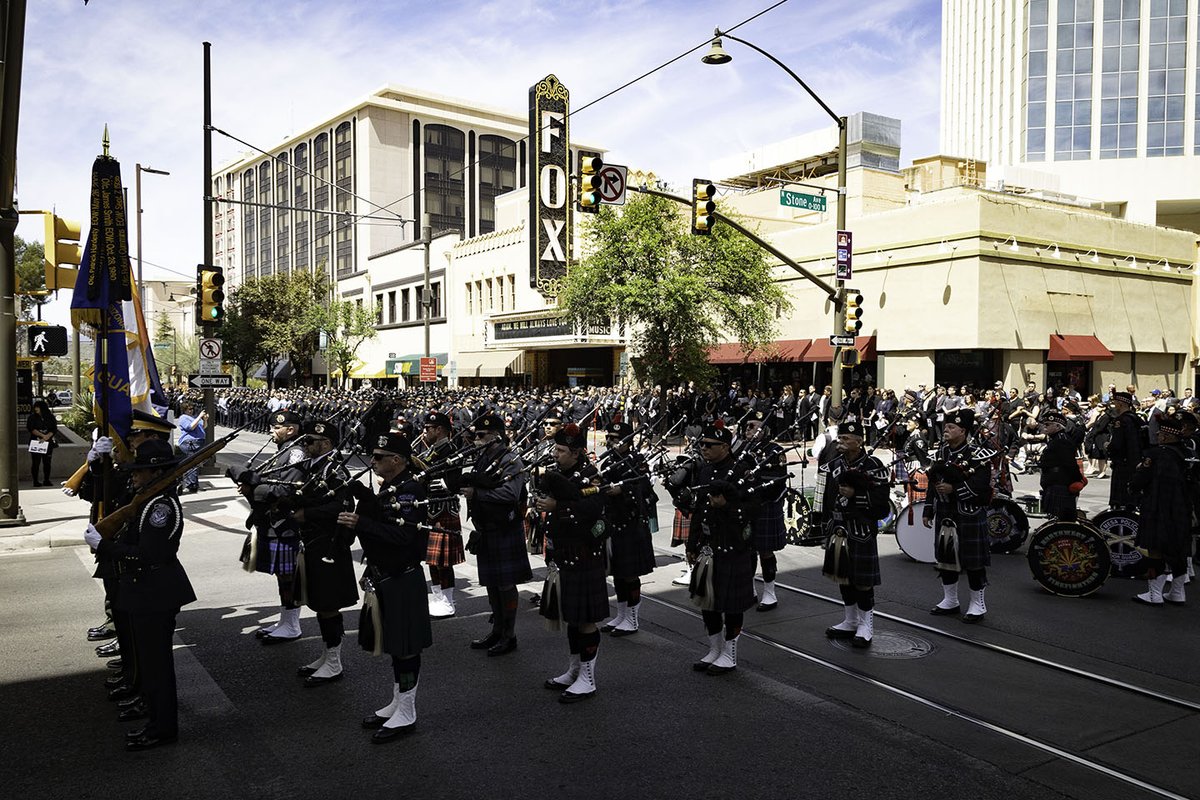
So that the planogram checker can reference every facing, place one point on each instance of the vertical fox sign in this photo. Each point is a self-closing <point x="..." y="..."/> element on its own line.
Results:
<point x="549" y="185"/>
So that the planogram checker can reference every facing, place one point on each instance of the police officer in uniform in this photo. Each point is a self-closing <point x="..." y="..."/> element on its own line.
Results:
<point x="1124" y="450"/>
<point x="630" y="504"/>
<point x="1061" y="478"/>
<point x="390" y="528"/>
<point x="496" y="495"/>
<point x="855" y="499"/>
<point x="575" y="591"/>
<point x="720" y="543"/>
<point x="325" y="569"/>
<point x="960" y="479"/>
<point x="445" y="540"/>
<point x="274" y="541"/>
<point x="153" y="587"/>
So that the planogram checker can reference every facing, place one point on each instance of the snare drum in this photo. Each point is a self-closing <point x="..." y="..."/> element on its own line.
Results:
<point x="915" y="540"/>
<point x="1069" y="558"/>
<point x="1119" y="528"/>
<point x="1008" y="527"/>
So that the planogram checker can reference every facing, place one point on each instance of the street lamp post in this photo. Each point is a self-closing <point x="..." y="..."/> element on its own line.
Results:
<point x="138" y="170"/>
<point x="717" y="55"/>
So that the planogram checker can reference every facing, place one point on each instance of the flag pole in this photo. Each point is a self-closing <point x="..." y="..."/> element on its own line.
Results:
<point x="102" y="360"/>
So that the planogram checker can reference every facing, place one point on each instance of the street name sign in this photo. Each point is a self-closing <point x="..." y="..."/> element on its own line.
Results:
<point x="808" y="202"/>
<point x="841" y="340"/>
<point x="210" y="381"/>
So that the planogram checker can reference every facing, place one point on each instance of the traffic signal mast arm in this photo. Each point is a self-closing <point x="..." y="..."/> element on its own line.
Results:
<point x="830" y="291"/>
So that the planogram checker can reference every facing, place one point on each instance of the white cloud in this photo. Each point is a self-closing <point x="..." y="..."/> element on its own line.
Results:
<point x="280" y="67"/>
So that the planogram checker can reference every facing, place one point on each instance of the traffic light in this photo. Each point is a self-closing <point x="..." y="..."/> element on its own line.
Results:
<point x="210" y="298"/>
<point x="62" y="251"/>
<point x="703" y="206"/>
<point x="853" y="312"/>
<point x="589" y="182"/>
<point x="851" y="358"/>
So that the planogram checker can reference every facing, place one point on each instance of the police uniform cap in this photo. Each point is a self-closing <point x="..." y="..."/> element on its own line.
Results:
<point x="396" y="444"/>
<point x="153" y="454"/>
<point x="620" y="429"/>
<point x="851" y="427"/>
<point x="440" y="420"/>
<point x="963" y="418"/>
<point x="145" y="421"/>
<point x="285" y="418"/>
<point x="571" y="435"/>
<point x="554" y="416"/>
<point x="1054" y="417"/>
<point x="320" y="427"/>
<point x="1124" y="397"/>
<point x="489" y="422"/>
<point x="717" y="433"/>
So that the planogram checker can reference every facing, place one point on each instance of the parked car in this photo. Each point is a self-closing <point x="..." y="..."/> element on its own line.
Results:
<point x="64" y="398"/>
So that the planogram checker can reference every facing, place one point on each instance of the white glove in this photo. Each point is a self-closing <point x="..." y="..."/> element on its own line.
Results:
<point x="92" y="536"/>
<point x="438" y="485"/>
<point x="68" y="491"/>
<point x="102" y="447"/>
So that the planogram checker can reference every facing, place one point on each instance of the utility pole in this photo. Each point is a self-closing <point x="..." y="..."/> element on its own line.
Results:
<point x="839" y="305"/>
<point x="207" y="329"/>
<point x="426" y="298"/>
<point x="12" y="18"/>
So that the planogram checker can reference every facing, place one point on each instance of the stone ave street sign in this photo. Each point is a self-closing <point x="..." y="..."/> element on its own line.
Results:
<point x="808" y="202"/>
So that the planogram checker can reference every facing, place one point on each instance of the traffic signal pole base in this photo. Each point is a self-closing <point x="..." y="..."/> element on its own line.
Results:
<point x="8" y="503"/>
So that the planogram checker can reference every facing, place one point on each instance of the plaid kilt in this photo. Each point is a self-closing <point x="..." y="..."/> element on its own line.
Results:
<point x="769" y="530"/>
<point x="680" y="528"/>
<point x="862" y="563"/>
<point x="404" y="606"/>
<point x="632" y="550"/>
<point x="733" y="581"/>
<point x="1058" y="502"/>
<point x="501" y="556"/>
<point x="279" y="555"/>
<point x="583" y="595"/>
<point x="974" y="546"/>
<point x="446" y="549"/>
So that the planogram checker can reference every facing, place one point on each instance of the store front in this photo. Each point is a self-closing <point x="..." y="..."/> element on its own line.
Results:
<point x="768" y="368"/>
<point x="819" y="359"/>
<point x="1069" y="361"/>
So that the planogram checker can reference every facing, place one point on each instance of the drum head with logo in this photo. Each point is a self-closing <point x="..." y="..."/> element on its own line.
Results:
<point x="1119" y="528"/>
<point x="915" y="540"/>
<point x="888" y="523"/>
<point x="1008" y="527"/>
<point x="798" y="517"/>
<point x="1068" y="558"/>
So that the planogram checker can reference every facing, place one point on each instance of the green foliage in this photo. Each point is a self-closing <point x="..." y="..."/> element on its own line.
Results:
<point x="242" y="335"/>
<point x="346" y="326"/>
<point x="31" y="274"/>
<point x="677" y="294"/>
<point x="80" y="417"/>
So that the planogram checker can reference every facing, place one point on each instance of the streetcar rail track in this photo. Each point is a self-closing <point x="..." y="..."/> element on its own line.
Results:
<point x="943" y="708"/>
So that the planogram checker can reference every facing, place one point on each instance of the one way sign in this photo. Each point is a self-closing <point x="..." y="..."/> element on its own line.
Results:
<point x="211" y="381"/>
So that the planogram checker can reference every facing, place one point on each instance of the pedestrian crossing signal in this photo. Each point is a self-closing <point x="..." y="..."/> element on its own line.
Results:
<point x="47" y="340"/>
<point x="703" y="206"/>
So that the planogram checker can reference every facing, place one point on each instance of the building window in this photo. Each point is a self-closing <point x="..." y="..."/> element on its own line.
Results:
<point x="1168" y="66"/>
<point x="1073" y="86"/>
<point x="248" y="225"/>
<point x="1119" y="79"/>
<point x="265" y="246"/>
<point x="512" y="292"/>
<point x="379" y="309"/>
<point x="391" y="307"/>
<point x="343" y="171"/>
<point x="491" y="297"/>
<point x="444" y="185"/>
<point x="470" y="304"/>
<point x="497" y="175"/>
<point x="300" y="197"/>
<point x="1037" y="38"/>
<point x="283" y="233"/>
<point x="435" y="300"/>
<point x="321" y="199"/>
<point x="405" y="316"/>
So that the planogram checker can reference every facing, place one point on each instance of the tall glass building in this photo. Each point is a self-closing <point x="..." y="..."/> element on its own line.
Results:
<point x="1093" y="98"/>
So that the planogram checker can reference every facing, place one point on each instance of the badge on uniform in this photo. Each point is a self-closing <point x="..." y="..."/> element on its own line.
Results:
<point x="159" y="516"/>
<point x="382" y="442"/>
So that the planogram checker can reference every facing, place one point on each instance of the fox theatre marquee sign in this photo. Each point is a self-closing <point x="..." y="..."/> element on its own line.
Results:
<point x="549" y="186"/>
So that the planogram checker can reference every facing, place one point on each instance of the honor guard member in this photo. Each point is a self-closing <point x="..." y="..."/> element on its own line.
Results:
<point x="325" y="568"/>
<point x="1124" y="449"/>
<point x="274" y="540"/>
<point x="496" y="495"/>
<point x="719" y="538"/>
<point x="630" y="505"/>
<point x="445" y="540"/>
<point x="855" y="499"/>
<point x="153" y="587"/>
<point x="1167" y="503"/>
<point x="122" y="687"/>
<point x="1061" y="478"/>
<point x="956" y="508"/>
<point x="576" y="589"/>
<point x="769" y="527"/>
<point x="390" y="528"/>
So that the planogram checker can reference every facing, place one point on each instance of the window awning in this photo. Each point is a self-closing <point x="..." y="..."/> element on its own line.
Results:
<point x="411" y="364"/>
<point x="782" y="350"/>
<point x="283" y="371"/>
<point x="821" y="350"/>
<point x="490" y="363"/>
<point x="1077" y="348"/>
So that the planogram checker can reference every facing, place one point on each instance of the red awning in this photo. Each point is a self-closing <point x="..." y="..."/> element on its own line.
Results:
<point x="783" y="350"/>
<point x="822" y="351"/>
<point x="1077" y="348"/>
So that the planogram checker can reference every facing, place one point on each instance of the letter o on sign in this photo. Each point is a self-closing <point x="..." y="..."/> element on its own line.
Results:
<point x="553" y="186"/>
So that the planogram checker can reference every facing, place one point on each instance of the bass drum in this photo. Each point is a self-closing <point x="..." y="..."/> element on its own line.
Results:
<point x="1008" y="527"/>
<point x="888" y="523"/>
<point x="915" y="540"/>
<point x="1069" y="558"/>
<point x="1119" y="528"/>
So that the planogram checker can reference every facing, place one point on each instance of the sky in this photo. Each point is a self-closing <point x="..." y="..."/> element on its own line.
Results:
<point x="281" y="66"/>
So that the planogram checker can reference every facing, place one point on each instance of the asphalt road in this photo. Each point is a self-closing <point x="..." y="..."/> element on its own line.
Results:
<point x="812" y="720"/>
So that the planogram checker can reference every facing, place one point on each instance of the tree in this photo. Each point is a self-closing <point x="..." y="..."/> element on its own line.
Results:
<point x="346" y="325"/>
<point x="288" y="311"/>
<point x="677" y="294"/>
<point x="242" y="335"/>
<point x="31" y="274"/>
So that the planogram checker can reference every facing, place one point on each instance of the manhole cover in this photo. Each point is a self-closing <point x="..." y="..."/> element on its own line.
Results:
<point x="889" y="644"/>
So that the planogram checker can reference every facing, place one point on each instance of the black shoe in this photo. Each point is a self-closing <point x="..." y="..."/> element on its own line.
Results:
<point x="535" y="600"/>
<point x="135" y="711"/>
<point x="486" y="642"/>
<point x="122" y="692"/>
<point x="304" y="672"/>
<point x="313" y="680"/>
<point x="860" y="642"/>
<point x="553" y="684"/>
<point x="115" y="663"/>
<point x="503" y="647"/>
<point x="101" y="632"/>
<point x="136" y="732"/>
<point x="270" y="639"/>
<point x="38" y="483"/>
<point x="114" y="681"/>
<point x="108" y="650"/>
<point x="938" y="611"/>
<point x="374" y="721"/>
<point x="619" y="632"/>
<point x="767" y="606"/>
<point x="148" y="741"/>
<point x="263" y="633"/>
<point x="570" y="697"/>
<point x="387" y="734"/>
<point x="838" y="633"/>
<point x="129" y="702"/>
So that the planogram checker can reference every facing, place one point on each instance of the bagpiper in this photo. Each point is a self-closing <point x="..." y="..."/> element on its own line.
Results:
<point x="769" y="527"/>
<point x="445" y="548"/>
<point x="630" y="506"/>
